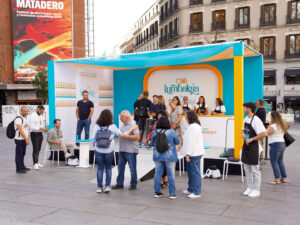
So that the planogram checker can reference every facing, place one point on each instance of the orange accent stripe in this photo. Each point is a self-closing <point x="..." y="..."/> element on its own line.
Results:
<point x="102" y="67"/>
<point x="226" y="54"/>
<point x="220" y="79"/>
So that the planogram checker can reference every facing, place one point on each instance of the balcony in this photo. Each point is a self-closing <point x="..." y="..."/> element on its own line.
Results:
<point x="270" y="90"/>
<point x="292" y="90"/>
<point x="238" y="26"/>
<point x="219" y="25"/>
<point x="168" y="38"/>
<point x="264" y="23"/>
<point x="294" y="55"/>
<point x="196" y="2"/>
<point x="289" y="20"/>
<point x="198" y="29"/>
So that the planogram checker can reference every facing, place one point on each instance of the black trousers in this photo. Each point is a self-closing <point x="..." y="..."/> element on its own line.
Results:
<point x="20" y="153"/>
<point x="37" y="140"/>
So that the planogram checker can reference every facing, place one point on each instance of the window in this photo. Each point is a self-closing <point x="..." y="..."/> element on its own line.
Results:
<point x="293" y="15"/>
<point x="245" y="40"/>
<point x="267" y="47"/>
<point x="162" y="13"/>
<point x="270" y="77"/>
<point x="218" y="20"/>
<point x="293" y="46"/>
<point x="196" y="43"/>
<point x="166" y="10"/>
<point x="292" y="76"/>
<point x="196" y="2"/>
<point x="170" y="30"/>
<point x="268" y="15"/>
<point x="175" y="27"/>
<point x="196" y="23"/>
<point x="242" y="18"/>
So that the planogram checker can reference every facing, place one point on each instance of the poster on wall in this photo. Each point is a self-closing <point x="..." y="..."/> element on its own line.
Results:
<point x="42" y="31"/>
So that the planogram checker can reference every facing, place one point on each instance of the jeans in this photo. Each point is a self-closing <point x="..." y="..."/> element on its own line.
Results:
<point x="159" y="170"/>
<point x="276" y="159"/>
<point x="104" y="160"/>
<point x="125" y="157"/>
<point x="83" y="124"/>
<point x="194" y="175"/>
<point x="37" y="140"/>
<point x="253" y="176"/>
<point x="20" y="153"/>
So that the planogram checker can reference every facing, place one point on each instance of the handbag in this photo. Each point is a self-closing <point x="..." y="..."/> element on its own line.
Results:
<point x="288" y="139"/>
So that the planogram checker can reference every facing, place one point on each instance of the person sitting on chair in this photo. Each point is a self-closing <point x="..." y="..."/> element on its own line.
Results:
<point x="57" y="141"/>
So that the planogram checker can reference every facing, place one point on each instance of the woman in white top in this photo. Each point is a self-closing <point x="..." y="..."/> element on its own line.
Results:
<point x="276" y="131"/>
<point x="193" y="149"/>
<point x="201" y="108"/>
<point x="219" y="109"/>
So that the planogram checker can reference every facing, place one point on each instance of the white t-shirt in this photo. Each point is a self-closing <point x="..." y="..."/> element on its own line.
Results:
<point x="222" y="108"/>
<point x="193" y="141"/>
<point x="25" y="127"/>
<point x="257" y="125"/>
<point x="277" y="136"/>
<point x="36" y="122"/>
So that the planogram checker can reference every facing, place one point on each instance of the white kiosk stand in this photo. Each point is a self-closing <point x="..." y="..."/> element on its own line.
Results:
<point x="84" y="153"/>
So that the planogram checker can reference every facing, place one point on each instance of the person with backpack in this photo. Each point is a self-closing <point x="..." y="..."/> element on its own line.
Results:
<point x="143" y="112"/>
<point x="103" y="140"/>
<point x="193" y="150"/>
<point x="164" y="141"/>
<point x="21" y="139"/>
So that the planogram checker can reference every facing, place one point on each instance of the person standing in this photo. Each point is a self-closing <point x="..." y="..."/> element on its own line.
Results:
<point x="166" y="159"/>
<point x="261" y="111"/>
<point x="193" y="149"/>
<point x="135" y="106"/>
<point x="219" y="109"/>
<point x="201" y="108"/>
<point x="84" y="113"/>
<point x="128" y="151"/>
<point x="37" y="126"/>
<point x="185" y="105"/>
<point x="276" y="131"/>
<point x="155" y="107"/>
<point x="21" y="139"/>
<point x="253" y="130"/>
<point x="176" y="117"/>
<point x="143" y="113"/>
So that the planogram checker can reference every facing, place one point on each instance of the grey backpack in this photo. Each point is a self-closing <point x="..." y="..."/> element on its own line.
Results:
<point x="103" y="138"/>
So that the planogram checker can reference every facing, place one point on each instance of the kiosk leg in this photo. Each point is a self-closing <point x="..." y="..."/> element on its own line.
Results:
<point x="266" y="149"/>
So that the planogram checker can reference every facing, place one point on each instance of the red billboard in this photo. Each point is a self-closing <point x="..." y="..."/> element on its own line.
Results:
<point x="42" y="31"/>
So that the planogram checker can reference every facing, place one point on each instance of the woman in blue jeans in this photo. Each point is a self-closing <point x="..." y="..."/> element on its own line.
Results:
<point x="104" y="156"/>
<point x="167" y="159"/>
<point x="193" y="149"/>
<point x="276" y="131"/>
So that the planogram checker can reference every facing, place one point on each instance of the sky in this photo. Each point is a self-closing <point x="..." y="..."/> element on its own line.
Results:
<point x="114" y="19"/>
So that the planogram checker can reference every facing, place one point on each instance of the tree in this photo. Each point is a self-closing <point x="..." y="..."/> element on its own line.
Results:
<point x="40" y="84"/>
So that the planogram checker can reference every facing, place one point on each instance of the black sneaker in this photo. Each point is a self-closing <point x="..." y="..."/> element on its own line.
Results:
<point x="21" y="171"/>
<point x="131" y="188"/>
<point x="115" y="187"/>
<point x="173" y="197"/>
<point x="25" y="168"/>
<point x="158" y="195"/>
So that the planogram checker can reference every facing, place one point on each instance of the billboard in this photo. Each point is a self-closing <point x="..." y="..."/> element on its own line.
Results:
<point x="42" y="31"/>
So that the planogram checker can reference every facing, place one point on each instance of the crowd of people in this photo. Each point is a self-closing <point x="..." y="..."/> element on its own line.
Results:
<point x="158" y="126"/>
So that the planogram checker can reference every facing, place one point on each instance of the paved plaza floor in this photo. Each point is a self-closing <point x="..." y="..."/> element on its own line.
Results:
<point x="64" y="195"/>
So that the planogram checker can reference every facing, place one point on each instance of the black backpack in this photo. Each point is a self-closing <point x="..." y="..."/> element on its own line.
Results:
<point x="10" y="130"/>
<point x="103" y="138"/>
<point x="143" y="109"/>
<point x="161" y="141"/>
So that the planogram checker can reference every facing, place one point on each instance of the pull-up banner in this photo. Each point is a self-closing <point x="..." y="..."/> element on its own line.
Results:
<point x="42" y="31"/>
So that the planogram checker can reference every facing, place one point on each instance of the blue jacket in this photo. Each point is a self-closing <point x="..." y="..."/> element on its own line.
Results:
<point x="171" y="154"/>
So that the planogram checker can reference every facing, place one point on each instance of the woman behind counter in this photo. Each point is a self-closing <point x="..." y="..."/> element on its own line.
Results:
<point x="201" y="108"/>
<point x="219" y="109"/>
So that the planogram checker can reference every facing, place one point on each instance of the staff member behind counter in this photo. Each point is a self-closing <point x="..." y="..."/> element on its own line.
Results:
<point x="219" y="109"/>
<point x="201" y="108"/>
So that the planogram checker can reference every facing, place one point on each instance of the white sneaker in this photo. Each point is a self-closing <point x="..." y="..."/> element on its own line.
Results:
<point x="193" y="196"/>
<point x="99" y="190"/>
<point x="36" y="166"/>
<point x="40" y="165"/>
<point x="186" y="192"/>
<point x="107" y="189"/>
<point x="254" y="194"/>
<point x="68" y="155"/>
<point x="247" y="192"/>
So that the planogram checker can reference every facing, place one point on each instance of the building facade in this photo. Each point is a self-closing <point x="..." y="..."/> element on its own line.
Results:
<point x="269" y="26"/>
<point x="12" y="92"/>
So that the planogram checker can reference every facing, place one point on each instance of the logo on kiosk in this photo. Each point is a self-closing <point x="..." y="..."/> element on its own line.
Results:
<point x="182" y="86"/>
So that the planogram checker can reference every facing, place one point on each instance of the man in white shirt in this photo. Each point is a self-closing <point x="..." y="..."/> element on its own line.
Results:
<point x="21" y="139"/>
<point x="37" y="126"/>
<point x="253" y="131"/>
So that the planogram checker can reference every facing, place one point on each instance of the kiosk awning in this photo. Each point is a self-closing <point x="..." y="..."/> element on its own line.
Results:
<point x="292" y="73"/>
<point x="270" y="73"/>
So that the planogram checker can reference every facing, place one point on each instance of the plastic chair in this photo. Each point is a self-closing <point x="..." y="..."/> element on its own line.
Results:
<point x="233" y="161"/>
<point x="48" y="149"/>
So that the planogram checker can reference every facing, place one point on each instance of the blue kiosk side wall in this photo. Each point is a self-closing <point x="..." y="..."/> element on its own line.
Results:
<point x="51" y="93"/>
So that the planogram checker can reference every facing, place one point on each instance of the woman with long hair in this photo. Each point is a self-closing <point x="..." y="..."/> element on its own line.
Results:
<point x="193" y="150"/>
<point x="276" y="131"/>
<point x="163" y="102"/>
<point x="164" y="159"/>
<point x="219" y="109"/>
<point x="176" y="117"/>
<point x="201" y="108"/>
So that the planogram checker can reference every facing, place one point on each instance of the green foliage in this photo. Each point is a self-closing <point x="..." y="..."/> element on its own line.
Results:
<point x="40" y="84"/>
